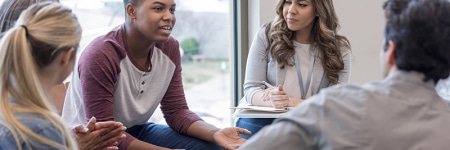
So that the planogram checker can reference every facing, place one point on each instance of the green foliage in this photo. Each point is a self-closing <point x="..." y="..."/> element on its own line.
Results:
<point x="190" y="46"/>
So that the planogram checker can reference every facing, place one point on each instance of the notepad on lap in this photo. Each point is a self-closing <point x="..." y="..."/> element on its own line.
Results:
<point x="262" y="108"/>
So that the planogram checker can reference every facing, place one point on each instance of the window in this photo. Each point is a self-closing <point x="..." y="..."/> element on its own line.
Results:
<point x="213" y="58"/>
<point x="203" y="29"/>
<point x="96" y="16"/>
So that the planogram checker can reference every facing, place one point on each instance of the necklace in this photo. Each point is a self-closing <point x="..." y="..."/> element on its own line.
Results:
<point x="304" y="90"/>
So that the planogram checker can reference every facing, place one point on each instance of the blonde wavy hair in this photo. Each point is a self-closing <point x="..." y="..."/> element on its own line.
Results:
<point x="323" y="35"/>
<point x="49" y="28"/>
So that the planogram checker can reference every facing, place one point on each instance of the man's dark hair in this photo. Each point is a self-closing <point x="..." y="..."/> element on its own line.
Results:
<point x="134" y="2"/>
<point x="420" y="30"/>
<point x="10" y="10"/>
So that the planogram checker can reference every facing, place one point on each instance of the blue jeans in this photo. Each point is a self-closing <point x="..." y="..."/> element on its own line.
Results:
<point x="164" y="136"/>
<point x="253" y="125"/>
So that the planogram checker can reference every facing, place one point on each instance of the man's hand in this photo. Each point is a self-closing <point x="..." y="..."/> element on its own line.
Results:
<point x="229" y="137"/>
<point x="102" y="135"/>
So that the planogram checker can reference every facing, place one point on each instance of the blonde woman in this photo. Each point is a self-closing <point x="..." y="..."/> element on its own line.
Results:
<point x="36" y="54"/>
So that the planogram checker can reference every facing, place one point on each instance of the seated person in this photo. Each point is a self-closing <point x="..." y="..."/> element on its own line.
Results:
<point x="314" y="57"/>
<point x="403" y="111"/>
<point x="125" y="74"/>
<point x="30" y="68"/>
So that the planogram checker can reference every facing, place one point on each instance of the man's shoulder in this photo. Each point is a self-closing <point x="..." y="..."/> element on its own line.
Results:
<point x="342" y="90"/>
<point x="341" y="98"/>
<point x="342" y="103"/>
<point x="170" y="44"/>
<point x="170" y="48"/>
<point x="109" y="46"/>
<point x="112" y="38"/>
<point x="348" y="93"/>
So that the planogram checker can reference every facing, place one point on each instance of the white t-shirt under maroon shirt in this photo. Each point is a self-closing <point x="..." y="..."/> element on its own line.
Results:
<point x="110" y="85"/>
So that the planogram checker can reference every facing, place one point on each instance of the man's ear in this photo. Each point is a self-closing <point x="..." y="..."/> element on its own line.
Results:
<point x="67" y="56"/>
<point x="131" y="11"/>
<point x="390" y="52"/>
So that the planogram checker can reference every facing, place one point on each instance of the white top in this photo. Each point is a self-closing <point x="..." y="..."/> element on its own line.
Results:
<point x="291" y="84"/>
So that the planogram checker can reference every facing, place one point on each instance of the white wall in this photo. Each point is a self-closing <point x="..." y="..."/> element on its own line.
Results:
<point x="259" y="12"/>
<point x="361" y="22"/>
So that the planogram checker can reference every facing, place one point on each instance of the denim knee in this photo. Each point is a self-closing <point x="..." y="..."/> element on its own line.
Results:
<point x="253" y="125"/>
<point x="164" y="136"/>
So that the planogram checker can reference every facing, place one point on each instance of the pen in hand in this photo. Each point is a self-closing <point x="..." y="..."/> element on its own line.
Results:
<point x="271" y="86"/>
<point x="267" y="84"/>
<point x="266" y="94"/>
